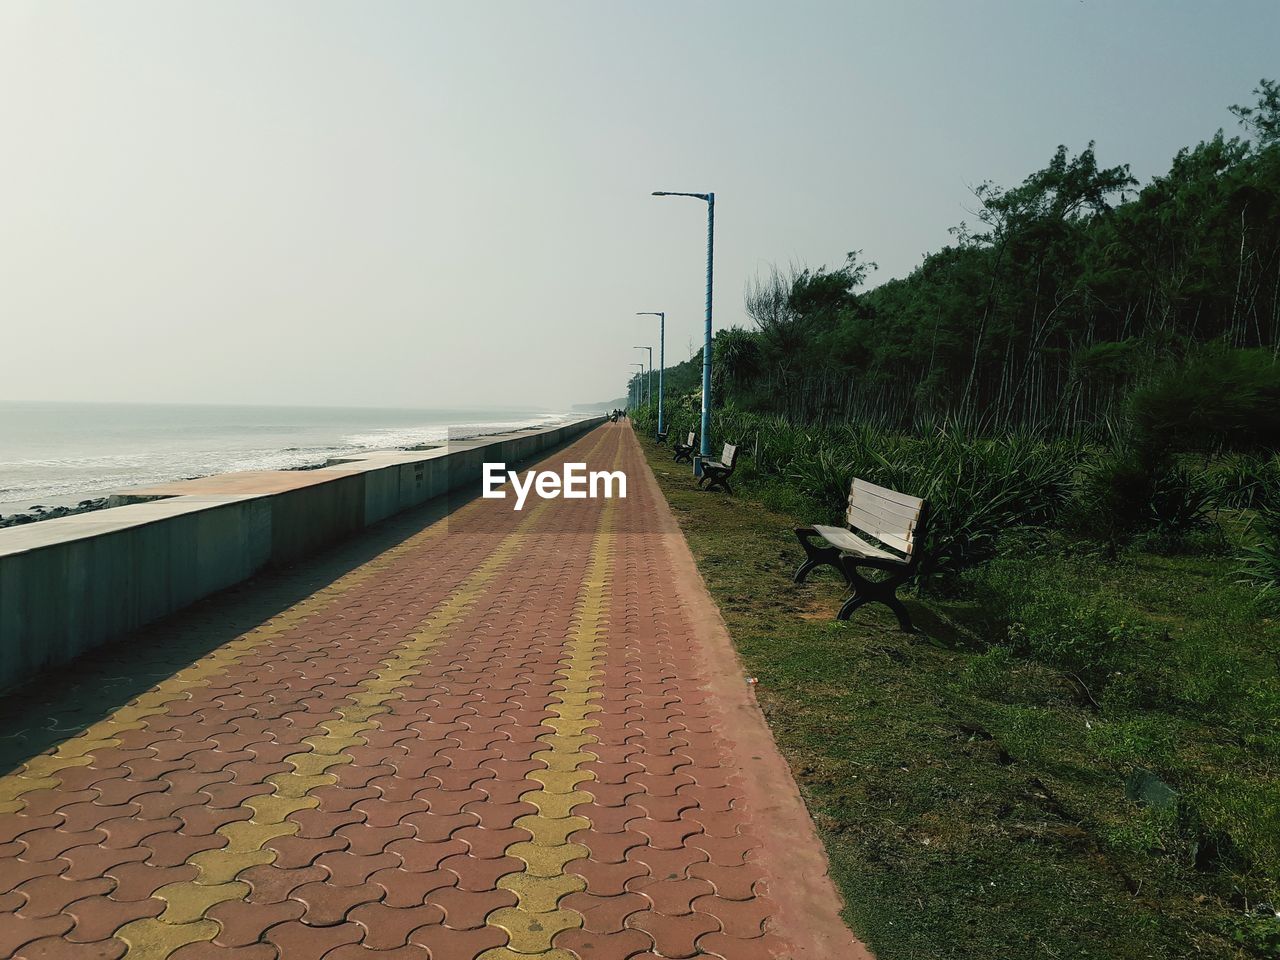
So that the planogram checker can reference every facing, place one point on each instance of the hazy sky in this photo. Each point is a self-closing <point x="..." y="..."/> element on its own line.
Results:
<point x="431" y="204"/>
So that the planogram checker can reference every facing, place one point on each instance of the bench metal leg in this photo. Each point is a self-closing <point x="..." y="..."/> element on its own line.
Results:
<point x="872" y="591"/>
<point x="715" y="480"/>
<point x="850" y="605"/>
<point x="815" y="555"/>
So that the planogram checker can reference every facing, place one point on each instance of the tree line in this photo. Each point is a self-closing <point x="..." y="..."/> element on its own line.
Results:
<point x="1072" y="289"/>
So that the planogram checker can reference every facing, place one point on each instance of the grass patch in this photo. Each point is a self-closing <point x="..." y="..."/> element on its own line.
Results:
<point x="980" y="790"/>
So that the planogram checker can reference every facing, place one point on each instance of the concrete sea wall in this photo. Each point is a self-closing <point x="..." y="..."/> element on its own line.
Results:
<point x="71" y="584"/>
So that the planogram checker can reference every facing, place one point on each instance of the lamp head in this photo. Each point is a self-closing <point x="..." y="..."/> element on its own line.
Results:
<point x="676" y="193"/>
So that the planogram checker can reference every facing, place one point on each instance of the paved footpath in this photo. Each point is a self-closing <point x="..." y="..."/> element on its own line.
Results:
<point x="506" y="735"/>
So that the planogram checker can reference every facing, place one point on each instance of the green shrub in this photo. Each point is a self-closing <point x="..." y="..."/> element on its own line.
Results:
<point x="1126" y="489"/>
<point x="1260" y="560"/>
<point x="1244" y="480"/>
<point x="978" y="488"/>
<point x="1115" y="485"/>
<point x="1181" y="501"/>
<point x="1218" y="399"/>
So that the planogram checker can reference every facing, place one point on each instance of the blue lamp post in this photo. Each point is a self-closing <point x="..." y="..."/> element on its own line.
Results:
<point x="662" y="357"/>
<point x="710" y="199"/>
<point x="648" y="389"/>
<point x="636" y="381"/>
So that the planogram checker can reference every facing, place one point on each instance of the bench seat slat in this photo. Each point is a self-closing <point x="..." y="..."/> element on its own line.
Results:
<point x="884" y="493"/>
<point x="851" y="543"/>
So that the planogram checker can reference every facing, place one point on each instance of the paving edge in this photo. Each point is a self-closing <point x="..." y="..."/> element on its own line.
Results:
<point x="808" y="904"/>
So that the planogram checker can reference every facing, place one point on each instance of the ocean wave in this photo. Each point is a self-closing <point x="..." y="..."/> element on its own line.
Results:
<point x="71" y="477"/>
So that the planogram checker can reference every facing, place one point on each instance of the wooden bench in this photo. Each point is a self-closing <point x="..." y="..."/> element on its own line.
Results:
<point x="896" y="521"/>
<point x="662" y="437"/>
<point x="716" y="473"/>
<point x="684" y="451"/>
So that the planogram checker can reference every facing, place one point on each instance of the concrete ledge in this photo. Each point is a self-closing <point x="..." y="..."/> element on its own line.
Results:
<point x="71" y="584"/>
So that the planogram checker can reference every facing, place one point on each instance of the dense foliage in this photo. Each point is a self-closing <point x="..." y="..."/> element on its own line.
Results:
<point x="1071" y="287"/>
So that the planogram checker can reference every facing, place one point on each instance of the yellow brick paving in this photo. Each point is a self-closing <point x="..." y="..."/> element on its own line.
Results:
<point x="533" y="923"/>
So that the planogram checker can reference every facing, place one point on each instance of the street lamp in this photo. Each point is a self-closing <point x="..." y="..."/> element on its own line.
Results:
<point x="635" y="381"/>
<point x="710" y="199"/>
<point x="649" y="384"/>
<point x="662" y="359"/>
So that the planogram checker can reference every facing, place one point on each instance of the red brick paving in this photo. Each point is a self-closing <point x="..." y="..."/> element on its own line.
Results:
<point x="392" y="840"/>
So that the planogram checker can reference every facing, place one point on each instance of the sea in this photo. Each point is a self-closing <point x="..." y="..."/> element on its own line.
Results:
<point x="58" y="454"/>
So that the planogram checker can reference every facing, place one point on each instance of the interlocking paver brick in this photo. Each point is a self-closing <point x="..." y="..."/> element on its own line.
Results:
<point x="673" y="935"/>
<point x="498" y="735"/>
<point x="442" y="941"/>
<point x="47" y="896"/>
<point x="16" y="932"/>
<point x="206" y="950"/>
<point x="298" y="941"/>
<point x="607" y="879"/>
<point x="93" y="860"/>
<point x="619" y="945"/>
<point x="605" y="914"/>
<point x="327" y="903"/>
<point x="476" y="874"/>
<point x="387" y="927"/>
<point x="245" y="922"/>
<point x="58" y="948"/>
<point x="465" y="910"/>
<point x="98" y="917"/>
<point x="51" y="842"/>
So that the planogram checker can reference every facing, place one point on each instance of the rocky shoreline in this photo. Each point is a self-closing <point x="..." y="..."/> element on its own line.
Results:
<point x="39" y="512"/>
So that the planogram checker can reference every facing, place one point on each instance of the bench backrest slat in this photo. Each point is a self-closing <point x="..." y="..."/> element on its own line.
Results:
<point x="729" y="454"/>
<point x="884" y="493"/>
<point x="890" y="535"/>
<point x="887" y="515"/>
<point x="689" y="442"/>
<point x="894" y="514"/>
